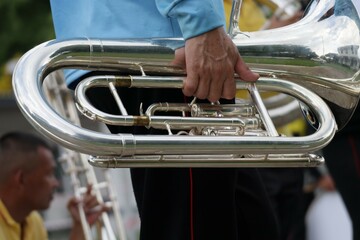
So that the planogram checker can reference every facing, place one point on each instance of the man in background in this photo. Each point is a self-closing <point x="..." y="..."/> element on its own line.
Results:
<point x="27" y="184"/>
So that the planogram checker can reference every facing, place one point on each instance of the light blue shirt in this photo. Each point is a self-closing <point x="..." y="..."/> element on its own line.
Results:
<point x="134" y="19"/>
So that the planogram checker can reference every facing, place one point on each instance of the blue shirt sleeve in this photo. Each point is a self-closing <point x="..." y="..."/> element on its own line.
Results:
<point x="195" y="17"/>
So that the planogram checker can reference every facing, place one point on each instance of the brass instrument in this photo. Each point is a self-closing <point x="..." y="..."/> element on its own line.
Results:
<point x="81" y="173"/>
<point x="315" y="60"/>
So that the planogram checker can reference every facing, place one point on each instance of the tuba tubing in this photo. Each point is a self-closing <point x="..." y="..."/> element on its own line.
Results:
<point x="298" y="63"/>
<point x="51" y="56"/>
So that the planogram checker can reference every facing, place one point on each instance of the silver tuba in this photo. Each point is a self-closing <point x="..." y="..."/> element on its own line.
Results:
<point x="315" y="60"/>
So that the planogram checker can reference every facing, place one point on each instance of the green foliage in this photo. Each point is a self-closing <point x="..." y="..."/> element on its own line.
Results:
<point x="23" y="25"/>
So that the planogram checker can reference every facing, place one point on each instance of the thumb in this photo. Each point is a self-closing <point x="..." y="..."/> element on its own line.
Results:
<point x="244" y="71"/>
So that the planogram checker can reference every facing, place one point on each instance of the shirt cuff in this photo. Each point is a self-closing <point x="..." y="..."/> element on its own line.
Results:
<point x="195" y="17"/>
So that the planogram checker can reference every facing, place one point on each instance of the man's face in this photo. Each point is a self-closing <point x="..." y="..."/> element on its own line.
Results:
<point x="40" y="182"/>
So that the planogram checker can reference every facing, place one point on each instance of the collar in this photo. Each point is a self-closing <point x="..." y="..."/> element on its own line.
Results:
<point x="4" y="213"/>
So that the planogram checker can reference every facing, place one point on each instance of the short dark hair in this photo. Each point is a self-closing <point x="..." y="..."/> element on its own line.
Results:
<point x="22" y="141"/>
<point x="13" y="146"/>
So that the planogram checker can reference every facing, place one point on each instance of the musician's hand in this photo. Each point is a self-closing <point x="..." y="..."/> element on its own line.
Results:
<point x="211" y="59"/>
<point x="92" y="210"/>
<point x="91" y="207"/>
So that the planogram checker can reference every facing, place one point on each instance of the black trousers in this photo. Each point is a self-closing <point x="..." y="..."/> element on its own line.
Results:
<point x="285" y="189"/>
<point x="192" y="203"/>
<point x="256" y="215"/>
<point x="342" y="157"/>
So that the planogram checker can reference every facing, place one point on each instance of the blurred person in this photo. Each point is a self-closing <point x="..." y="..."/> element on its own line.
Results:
<point x="315" y="179"/>
<point x="342" y="158"/>
<point x="27" y="184"/>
